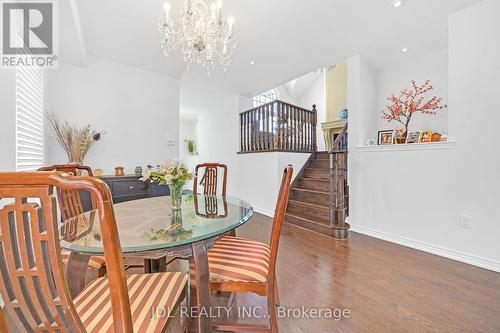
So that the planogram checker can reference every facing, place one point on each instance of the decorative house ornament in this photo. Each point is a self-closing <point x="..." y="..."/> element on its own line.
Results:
<point x="202" y="35"/>
<point x="426" y="136"/>
<point x="410" y="101"/>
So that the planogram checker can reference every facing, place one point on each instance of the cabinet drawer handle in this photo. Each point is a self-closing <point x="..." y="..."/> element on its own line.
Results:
<point x="131" y="187"/>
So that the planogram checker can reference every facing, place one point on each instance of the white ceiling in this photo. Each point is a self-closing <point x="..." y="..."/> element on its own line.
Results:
<point x="285" y="38"/>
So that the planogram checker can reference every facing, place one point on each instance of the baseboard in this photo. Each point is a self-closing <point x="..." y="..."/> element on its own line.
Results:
<point x="430" y="248"/>
<point x="263" y="211"/>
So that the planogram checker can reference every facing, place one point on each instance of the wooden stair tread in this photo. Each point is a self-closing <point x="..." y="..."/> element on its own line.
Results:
<point x="310" y="191"/>
<point x="323" y="223"/>
<point x="319" y="179"/>
<point x="308" y="204"/>
<point x="318" y="169"/>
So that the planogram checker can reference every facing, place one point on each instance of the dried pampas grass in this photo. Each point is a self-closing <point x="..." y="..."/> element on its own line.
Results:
<point x="76" y="142"/>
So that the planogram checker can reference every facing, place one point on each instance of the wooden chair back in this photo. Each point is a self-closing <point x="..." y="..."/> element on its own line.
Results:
<point x="210" y="178"/>
<point x="72" y="169"/>
<point x="279" y="218"/>
<point x="70" y="202"/>
<point x="32" y="284"/>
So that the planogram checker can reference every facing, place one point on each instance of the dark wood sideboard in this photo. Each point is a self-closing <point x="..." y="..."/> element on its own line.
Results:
<point x="130" y="187"/>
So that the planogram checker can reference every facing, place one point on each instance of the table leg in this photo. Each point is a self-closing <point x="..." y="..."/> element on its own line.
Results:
<point x="76" y="270"/>
<point x="200" y="288"/>
<point x="155" y="265"/>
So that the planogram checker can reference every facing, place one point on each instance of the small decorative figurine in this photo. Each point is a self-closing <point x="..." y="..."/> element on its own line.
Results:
<point x="138" y="171"/>
<point x="119" y="171"/>
<point x="98" y="172"/>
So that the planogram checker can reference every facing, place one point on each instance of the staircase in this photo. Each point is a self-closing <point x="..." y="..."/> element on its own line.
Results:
<point x="310" y="196"/>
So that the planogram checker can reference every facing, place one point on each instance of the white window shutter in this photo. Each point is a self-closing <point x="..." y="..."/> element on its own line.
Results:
<point x="29" y="119"/>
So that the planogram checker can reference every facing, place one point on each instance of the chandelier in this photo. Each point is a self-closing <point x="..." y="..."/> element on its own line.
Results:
<point x="203" y="36"/>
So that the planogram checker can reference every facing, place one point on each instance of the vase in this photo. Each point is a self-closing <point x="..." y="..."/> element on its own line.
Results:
<point x="176" y="195"/>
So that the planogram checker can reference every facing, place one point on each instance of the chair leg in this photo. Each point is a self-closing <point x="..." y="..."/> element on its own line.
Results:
<point x="185" y="323"/>
<point x="101" y="272"/>
<point x="276" y="292"/>
<point x="271" y="308"/>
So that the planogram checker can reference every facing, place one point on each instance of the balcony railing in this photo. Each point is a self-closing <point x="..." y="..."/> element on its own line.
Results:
<point x="278" y="126"/>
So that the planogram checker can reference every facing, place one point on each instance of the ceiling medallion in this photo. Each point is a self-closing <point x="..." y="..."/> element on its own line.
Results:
<point x="203" y="36"/>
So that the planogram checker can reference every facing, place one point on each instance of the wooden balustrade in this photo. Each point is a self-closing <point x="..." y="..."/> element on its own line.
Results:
<point x="278" y="126"/>
<point x="339" y="197"/>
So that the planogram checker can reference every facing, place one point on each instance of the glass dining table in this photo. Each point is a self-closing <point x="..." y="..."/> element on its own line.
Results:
<point x="151" y="229"/>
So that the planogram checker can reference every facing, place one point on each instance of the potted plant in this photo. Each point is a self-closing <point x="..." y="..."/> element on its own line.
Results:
<point x="410" y="101"/>
<point x="190" y="146"/>
<point x="174" y="174"/>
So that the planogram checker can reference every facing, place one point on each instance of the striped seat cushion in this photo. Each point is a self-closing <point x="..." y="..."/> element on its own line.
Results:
<point x="147" y="293"/>
<point x="95" y="262"/>
<point x="238" y="259"/>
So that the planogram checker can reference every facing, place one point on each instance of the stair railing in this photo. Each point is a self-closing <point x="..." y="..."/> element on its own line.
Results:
<point x="278" y="126"/>
<point x="338" y="206"/>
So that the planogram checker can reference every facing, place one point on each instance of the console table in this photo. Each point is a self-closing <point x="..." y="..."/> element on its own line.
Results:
<point x="130" y="187"/>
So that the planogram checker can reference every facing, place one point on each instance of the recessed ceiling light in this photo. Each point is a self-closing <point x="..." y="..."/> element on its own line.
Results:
<point x="252" y="62"/>
<point x="397" y="3"/>
<point x="404" y="50"/>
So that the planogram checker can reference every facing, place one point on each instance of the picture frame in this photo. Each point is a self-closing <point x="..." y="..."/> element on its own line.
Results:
<point x="425" y="137"/>
<point x="413" y="137"/>
<point x="385" y="137"/>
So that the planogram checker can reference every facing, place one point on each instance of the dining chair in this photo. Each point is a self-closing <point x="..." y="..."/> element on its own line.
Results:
<point x="71" y="205"/>
<point x="33" y="287"/>
<point x="243" y="265"/>
<point x="210" y="179"/>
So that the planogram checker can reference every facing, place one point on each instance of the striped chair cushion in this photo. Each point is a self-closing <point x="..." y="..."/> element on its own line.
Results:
<point x="94" y="262"/>
<point x="238" y="259"/>
<point x="146" y="292"/>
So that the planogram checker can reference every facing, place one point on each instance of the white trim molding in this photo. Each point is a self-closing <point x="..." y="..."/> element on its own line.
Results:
<point x="407" y="146"/>
<point x="263" y="211"/>
<point x="430" y="248"/>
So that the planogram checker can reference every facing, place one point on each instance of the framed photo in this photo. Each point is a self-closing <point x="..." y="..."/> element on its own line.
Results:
<point x="425" y="136"/>
<point x="385" y="137"/>
<point x="413" y="137"/>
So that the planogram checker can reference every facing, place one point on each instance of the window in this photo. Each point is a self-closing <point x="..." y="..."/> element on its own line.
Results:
<point x="265" y="97"/>
<point x="29" y="118"/>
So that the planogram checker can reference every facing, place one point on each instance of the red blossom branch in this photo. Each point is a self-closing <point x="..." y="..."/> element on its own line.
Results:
<point x="410" y="101"/>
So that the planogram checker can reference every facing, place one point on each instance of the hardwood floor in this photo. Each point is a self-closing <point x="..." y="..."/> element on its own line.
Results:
<point x="387" y="287"/>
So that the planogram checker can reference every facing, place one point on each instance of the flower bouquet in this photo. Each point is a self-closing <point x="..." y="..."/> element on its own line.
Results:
<point x="174" y="174"/>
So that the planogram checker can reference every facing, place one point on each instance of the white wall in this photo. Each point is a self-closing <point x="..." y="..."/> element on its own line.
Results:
<point x="7" y="120"/>
<point x="138" y="109"/>
<point x="416" y="197"/>
<point x="392" y="79"/>
<point x="315" y="94"/>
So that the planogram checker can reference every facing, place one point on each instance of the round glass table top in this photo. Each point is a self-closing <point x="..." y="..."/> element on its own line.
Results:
<point x="151" y="224"/>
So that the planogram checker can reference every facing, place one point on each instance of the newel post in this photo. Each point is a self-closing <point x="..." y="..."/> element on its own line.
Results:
<point x="338" y="206"/>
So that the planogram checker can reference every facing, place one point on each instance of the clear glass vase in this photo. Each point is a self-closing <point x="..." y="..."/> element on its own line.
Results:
<point x="176" y="195"/>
